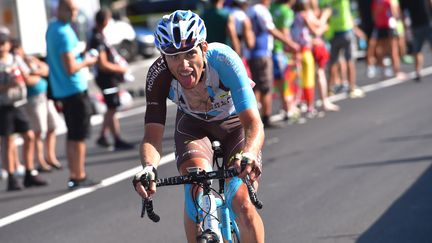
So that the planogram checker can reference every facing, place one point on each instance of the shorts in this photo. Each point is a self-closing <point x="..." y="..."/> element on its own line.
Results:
<point x="262" y="73"/>
<point x="77" y="111"/>
<point x="384" y="33"/>
<point x="321" y="55"/>
<point x="342" y="42"/>
<point x="112" y="100"/>
<point x="13" y="120"/>
<point x="193" y="138"/>
<point x="280" y="64"/>
<point x="421" y="34"/>
<point x="42" y="114"/>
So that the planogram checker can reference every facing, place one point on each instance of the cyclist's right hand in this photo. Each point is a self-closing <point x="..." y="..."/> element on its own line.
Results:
<point x="144" y="182"/>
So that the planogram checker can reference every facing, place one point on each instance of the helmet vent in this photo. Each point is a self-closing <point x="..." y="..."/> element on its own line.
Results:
<point x="192" y="24"/>
<point x="176" y="35"/>
<point x="163" y="32"/>
<point x="189" y="39"/>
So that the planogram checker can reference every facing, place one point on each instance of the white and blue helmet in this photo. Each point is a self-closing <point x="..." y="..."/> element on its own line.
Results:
<point x="179" y="32"/>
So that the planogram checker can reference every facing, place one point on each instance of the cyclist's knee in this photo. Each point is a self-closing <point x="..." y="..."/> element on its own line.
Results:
<point x="247" y="213"/>
<point x="243" y="207"/>
<point x="194" y="162"/>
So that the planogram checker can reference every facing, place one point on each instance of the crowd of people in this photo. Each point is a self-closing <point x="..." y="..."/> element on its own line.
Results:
<point x="29" y="86"/>
<point x="287" y="47"/>
<point x="290" y="46"/>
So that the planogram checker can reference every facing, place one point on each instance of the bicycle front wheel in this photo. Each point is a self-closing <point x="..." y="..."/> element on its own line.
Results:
<point x="234" y="237"/>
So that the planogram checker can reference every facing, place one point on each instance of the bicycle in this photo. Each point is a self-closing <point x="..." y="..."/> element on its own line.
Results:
<point x="218" y="225"/>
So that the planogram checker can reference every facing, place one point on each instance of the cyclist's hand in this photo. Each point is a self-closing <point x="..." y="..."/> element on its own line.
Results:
<point x="144" y="181"/>
<point x="248" y="164"/>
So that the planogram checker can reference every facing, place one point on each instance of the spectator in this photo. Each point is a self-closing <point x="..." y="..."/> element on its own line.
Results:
<point x="321" y="56"/>
<point x="69" y="86"/>
<point x="283" y="16"/>
<point x="342" y="40"/>
<point x="13" y="119"/>
<point x="385" y="16"/>
<point x="260" y="60"/>
<point x="305" y="26"/>
<point x="243" y="29"/>
<point x="41" y="112"/>
<point x="420" y="12"/>
<point x="219" y="20"/>
<point x="109" y="74"/>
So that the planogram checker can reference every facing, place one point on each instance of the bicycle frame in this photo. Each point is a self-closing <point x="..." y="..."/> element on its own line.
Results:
<point x="226" y="222"/>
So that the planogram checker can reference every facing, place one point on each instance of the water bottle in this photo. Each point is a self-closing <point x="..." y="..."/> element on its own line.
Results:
<point x="208" y="204"/>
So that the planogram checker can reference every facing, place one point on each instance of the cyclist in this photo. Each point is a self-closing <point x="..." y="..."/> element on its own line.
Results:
<point x="215" y="100"/>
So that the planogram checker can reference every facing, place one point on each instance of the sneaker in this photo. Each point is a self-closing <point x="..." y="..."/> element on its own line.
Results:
<point x="407" y="59"/>
<point x="103" y="142"/>
<point x="120" y="144"/>
<point x="32" y="178"/>
<point x="388" y="72"/>
<point x="3" y="174"/>
<point x="13" y="184"/>
<point x="314" y="113"/>
<point x="418" y="78"/>
<point x="20" y="171"/>
<point x="272" y="125"/>
<point x="86" y="182"/>
<point x="371" y="71"/>
<point x="356" y="93"/>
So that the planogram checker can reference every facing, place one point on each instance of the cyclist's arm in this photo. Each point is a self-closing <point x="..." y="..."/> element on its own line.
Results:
<point x="157" y="88"/>
<point x="151" y="145"/>
<point x="254" y="131"/>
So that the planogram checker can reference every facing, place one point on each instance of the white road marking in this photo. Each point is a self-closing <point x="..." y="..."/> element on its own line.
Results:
<point x="164" y="160"/>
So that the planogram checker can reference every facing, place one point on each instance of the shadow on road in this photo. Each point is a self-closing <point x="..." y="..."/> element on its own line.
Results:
<point x="409" y="219"/>
<point x="409" y="138"/>
<point x="427" y="158"/>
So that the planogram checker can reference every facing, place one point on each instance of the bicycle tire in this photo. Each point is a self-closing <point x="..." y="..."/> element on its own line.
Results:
<point x="234" y="237"/>
<point x="207" y="237"/>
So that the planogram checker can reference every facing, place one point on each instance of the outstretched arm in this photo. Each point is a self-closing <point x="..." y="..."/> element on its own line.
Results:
<point x="254" y="139"/>
<point x="151" y="145"/>
<point x="150" y="154"/>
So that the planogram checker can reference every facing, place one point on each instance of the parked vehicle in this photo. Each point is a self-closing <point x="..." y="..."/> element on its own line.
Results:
<point x="121" y="35"/>
<point x="145" y="41"/>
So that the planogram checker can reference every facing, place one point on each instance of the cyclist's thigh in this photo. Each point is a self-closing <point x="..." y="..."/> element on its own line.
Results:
<point x="231" y="135"/>
<point x="191" y="141"/>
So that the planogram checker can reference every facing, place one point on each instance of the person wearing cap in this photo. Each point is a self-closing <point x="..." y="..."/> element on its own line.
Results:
<point x="69" y="85"/>
<point x="13" y="119"/>
<point x="215" y="100"/>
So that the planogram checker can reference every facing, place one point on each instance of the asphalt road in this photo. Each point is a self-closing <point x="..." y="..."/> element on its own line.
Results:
<point x="359" y="175"/>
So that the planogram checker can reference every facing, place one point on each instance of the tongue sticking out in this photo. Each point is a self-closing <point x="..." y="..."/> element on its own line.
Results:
<point x="187" y="81"/>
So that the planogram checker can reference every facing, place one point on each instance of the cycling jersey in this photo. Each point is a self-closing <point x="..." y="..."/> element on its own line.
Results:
<point x="228" y="87"/>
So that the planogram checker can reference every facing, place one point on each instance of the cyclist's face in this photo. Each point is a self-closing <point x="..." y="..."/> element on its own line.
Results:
<point x="187" y="67"/>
